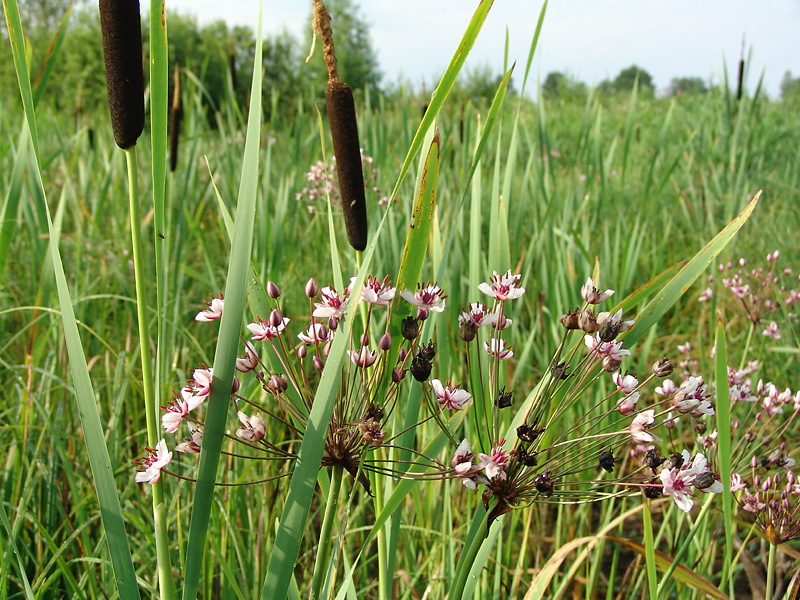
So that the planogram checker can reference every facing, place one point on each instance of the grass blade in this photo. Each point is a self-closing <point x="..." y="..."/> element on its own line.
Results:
<point x="102" y="470"/>
<point x="228" y="340"/>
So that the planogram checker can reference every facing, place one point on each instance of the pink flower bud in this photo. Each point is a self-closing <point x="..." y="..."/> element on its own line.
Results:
<point x="385" y="342"/>
<point x="273" y="291"/>
<point x="311" y="288"/>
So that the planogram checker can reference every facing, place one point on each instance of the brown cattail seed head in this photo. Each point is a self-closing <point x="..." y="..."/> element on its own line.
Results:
<point x="122" y="50"/>
<point x="175" y="116"/>
<point x="663" y="367"/>
<point x="344" y="132"/>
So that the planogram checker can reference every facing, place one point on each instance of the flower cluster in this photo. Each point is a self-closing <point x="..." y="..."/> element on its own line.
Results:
<point x="759" y="292"/>
<point x="564" y="446"/>
<point x="323" y="183"/>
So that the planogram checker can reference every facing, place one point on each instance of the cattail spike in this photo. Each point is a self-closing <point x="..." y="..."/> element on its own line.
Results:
<point x="175" y="116"/>
<point x="122" y="49"/>
<point x="344" y="131"/>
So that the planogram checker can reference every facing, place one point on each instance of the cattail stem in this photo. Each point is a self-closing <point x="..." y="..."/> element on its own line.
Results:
<point x="141" y="279"/>
<point x="122" y="50"/>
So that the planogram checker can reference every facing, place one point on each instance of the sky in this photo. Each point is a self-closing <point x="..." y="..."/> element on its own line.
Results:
<point x="591" y="40"/>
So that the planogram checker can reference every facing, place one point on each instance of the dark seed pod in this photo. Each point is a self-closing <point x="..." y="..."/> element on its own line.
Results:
<point x="607" y="460"/>
<point x="504" y="398"/>
<point x="122" y="50"/>
<point x="653" y="491"/>
<point x="529" y="433"/>
<point x="421" y="368"/>
<point x="344" y="131"/>
<point x="527" y="458"/>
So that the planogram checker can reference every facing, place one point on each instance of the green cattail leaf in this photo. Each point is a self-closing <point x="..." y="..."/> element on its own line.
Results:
<point x="344" y="132"/>
<point x="52" y="56"/>
<point x="681" y="282"/>
<point x="94" y="435"/>
<point x="445" y="86"/>
<point x="228" y="340"/>
<point x="121" y="25"/>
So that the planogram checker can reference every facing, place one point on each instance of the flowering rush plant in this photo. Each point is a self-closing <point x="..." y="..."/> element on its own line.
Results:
<point x="587" y="430"/>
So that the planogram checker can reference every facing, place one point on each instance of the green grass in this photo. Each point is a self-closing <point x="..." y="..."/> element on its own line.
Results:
<point x="637" y="184"/>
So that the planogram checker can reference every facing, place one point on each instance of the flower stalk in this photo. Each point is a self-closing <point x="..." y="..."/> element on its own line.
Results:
<point x="324" y="548"/>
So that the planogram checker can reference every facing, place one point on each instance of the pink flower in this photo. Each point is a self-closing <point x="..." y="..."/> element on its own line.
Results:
<point x="751" y="503"/>
<point x="267" y="330"/>
<point x="477" y="313"/>
<point x="450" y="397"/>
<point x="639" y="428"/>
<point x="316" y="334"/>
<point x="214" y="310"/>
<point x="191" y="445"/>
<point x="612" y="350"/>
<point x="173" y="414"/>
<point x="497" y="349"/>
<point x="707" y="294"/>
<point x="201" y="385"/>
<point x="332" y="305"/>
<point x="592" y="295"/>
<point x="737" y="483"/>
<point x="625" y="383"/>
<point x="503" y="287"/>
<point x="466" y="468"/>
<point x="677" y="481"/>
<point x="772" y="331"/>
<point x="157" y="460"/>
<point x="494" y="464"/>
<point x="252" y="429"/>
<point x="429" y="297"/>
<point x="250" y="360"/>
<point x="376" y="292"/>
<point x="362" y="358"/>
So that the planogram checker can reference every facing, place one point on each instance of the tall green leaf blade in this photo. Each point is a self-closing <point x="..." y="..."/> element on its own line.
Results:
<point x="445" y="86"/>
<point x="99" y="460"/>
<point x="228" y="340"/>
<point x="679" y="284"/>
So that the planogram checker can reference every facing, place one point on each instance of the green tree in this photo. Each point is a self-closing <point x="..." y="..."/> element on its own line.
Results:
<point x="357" y="59"/>
<point x="687" y="85"/>
<point x="790" y="88"/>
<point x="624" y="81"/>
<point x="562" y="86"/>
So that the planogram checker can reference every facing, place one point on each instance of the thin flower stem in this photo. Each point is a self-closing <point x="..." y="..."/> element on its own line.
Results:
<point x="771" y="572"/>
<point x="324" y="548"/>
<point x="166" y="589"/>
<point x="747" y="345"/>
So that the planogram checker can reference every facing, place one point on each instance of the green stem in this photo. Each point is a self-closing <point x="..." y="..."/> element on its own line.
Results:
<point x="650" y="550"/>
<point x="743" y="362"/>
<point x="773" y="551"/>
<point x="470" y="552"/>
<point x="159" y="508"/>
<point x="324" y="548"/>
<point x="682" y="550"/>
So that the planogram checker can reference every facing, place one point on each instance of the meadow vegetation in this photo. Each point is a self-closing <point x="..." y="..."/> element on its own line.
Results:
<point x="625" y="187"/>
